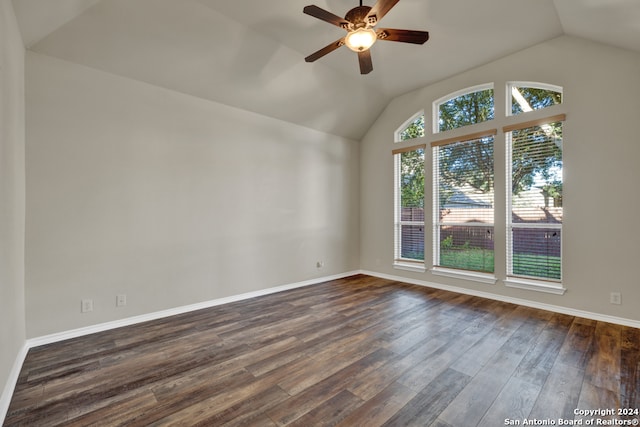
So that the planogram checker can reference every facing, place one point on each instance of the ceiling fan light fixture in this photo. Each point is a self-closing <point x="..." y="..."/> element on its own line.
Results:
<point x="360" y="39"/>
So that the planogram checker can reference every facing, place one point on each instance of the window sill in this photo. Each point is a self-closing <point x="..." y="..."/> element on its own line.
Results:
<point x="409" y="266"/>
<point x="535" y="285"/>
<point x="466" y="275"/>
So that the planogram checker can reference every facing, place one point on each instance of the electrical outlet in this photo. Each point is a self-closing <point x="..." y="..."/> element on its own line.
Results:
<point x="615" y="298"/>
<point x="121" y="300"/>
<point x="86" y="306"/>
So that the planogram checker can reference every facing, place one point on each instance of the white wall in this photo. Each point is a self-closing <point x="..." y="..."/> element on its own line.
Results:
<point x="601" y="234"/>
<point x="12" y="194"/>
<point x="170" y="199"/>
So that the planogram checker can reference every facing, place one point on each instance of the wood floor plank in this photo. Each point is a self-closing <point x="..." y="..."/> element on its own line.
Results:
<point x="630" y="367"/>
<point x="538" y="362"/>
<point x="330" y="412"/>
<point x="577" y="346"/>
<point x="378" y="409"/>
<point x="594" y="397"/>
<point x="427" y="405"/>
<point x="358" y="351"/>
<point x="313" y="396"/>
<point x="603" y="367"/>
<point x="515" y="401"/>
<point x="438" y="362"/>
<point x="560" y="393"/>
<point x="474" y="359"/>
<point x="483" y="389"/>
<point x="249" y="411"/>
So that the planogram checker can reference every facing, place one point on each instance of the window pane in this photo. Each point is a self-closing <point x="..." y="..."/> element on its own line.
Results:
<point x="412" y="242"/>
<point x="409" y="233"/>
<point x="464" y="110"/>
<point x="412" y="179"/>
<point x="536" y="202"/>
<point x="536" y="252"/>
<point x="536" y="174"/>
<point x="467" y="248"/>
<point x="464" y="196"/>
<point x="524" y="99"/>
<point x="414" y="130"/>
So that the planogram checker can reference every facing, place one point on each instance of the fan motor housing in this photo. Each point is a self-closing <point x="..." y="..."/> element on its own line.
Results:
<point x="358" y="16"/>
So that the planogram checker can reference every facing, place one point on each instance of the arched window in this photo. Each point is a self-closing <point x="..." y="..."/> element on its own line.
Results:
<point x="463" y="186"/>
<point x="412" y="128"/>
<point x="529" y="96"/>
<point x="463" y="108"/>
<point x="463" y="179"/>
<point x="409" y="196"/>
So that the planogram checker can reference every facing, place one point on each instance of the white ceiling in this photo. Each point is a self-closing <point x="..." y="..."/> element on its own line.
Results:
<point x="250" y="53"/>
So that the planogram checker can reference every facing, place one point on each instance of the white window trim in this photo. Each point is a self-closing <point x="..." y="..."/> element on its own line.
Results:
<point x="527" y="283"/>
<point x="507" y="118"/>
<point x="474" y="276"/>
<point x="452" y="272"/>
<point x="535" y="285"/>
<point x="401" y="263"/>
<point x="418" y="267"/>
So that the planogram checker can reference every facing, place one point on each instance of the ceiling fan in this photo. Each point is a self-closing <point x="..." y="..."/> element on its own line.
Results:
<point x="359" y="23"/>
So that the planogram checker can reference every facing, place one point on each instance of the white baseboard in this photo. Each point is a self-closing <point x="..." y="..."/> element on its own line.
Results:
<point x="527" y="303"/>
<point x="10" y="385"/>
<point x="74" y="333"/>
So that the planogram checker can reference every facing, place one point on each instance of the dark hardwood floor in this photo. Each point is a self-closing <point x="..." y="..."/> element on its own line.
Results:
<point x="360" y="351"/>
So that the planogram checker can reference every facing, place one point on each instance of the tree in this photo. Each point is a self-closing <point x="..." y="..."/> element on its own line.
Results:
<point x="412" y="167"/>
<point x="536" y="98"/>
<point x="471" y="164"/>
<point x="412" y="178"/>
<point x="535" y="153"/>
<point x="467" y="109"/>
<point x="414" y="130"/>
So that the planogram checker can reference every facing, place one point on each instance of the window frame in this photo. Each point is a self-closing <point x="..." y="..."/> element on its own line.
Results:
<point x="399" y="262"/>
<point x="502" y="120"/>
<point x="522" y="281"/>
<point x="437" y="269"/>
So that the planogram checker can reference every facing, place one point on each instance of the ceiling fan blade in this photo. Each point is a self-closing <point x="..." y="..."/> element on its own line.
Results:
<point x="326" y="16"/>
<point x="325" y="50"/>
<point x="405" y="36"/>
<point x="380" y="9"/>
<point x="364" y="57"/>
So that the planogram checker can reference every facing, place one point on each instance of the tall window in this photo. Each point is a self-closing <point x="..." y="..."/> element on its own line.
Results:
<point x="463" y="204"/>
<point x="463" y="175"/>
<point x="534" y="191"/>
<point x="409" y="205"/>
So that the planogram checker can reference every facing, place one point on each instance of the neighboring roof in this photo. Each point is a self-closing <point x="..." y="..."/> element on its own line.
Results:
<point x="461" y="199"/>
<point x="250" y="54"/>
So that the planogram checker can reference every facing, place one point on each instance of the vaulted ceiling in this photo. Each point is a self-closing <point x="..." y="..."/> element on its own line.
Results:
<point x="250" y="53"/>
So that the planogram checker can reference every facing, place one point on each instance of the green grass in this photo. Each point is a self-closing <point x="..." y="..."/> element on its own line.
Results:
<point x="541" y="266"/>
<point x="467" y="259"/>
